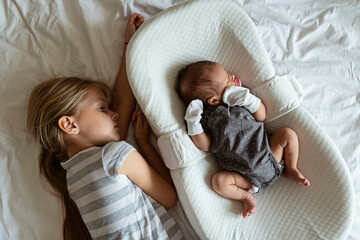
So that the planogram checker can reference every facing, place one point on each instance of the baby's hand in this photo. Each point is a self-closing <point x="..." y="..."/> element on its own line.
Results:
<point x="133" y="24"/>
<point x="141" y="127"/>
<point x="242" y="97"/>
<point x="193" y="116"/>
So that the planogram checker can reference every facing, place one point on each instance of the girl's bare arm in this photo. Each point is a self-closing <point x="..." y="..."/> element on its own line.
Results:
<point x="145" y="177"/>
<point x="124" y="101"/>
<point x="149" y="171"/>
<point x="147" y="149"/>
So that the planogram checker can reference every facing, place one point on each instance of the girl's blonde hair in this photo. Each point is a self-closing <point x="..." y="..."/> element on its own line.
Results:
<point x="48" y="102"/>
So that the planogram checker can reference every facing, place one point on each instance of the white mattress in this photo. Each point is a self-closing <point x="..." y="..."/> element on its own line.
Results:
<point x="315" y="41"/>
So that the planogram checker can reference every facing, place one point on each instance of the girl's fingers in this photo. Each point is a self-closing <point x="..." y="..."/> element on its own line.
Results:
<point x="145" y="122"/>
<point x="134" y="118"/>
<point x="141" y="118"/>
<point x="134" y="22"/>
<point x="136" y="19"/>
<point x="138" y="118"/>
<point x="138" y="123"/>
<point x="133" y="17"/>
<point x="139" y="21"/>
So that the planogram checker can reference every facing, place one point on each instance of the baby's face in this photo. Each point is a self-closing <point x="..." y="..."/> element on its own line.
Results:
<point x="223" y="79"/>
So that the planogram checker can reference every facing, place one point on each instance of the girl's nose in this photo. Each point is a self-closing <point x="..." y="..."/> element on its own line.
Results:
<point x="115" y="116"/>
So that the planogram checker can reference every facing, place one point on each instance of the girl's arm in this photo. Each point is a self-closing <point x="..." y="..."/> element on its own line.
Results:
<point x="123" y="101"/>
<point x="146" y="178"/>
<point x="151" y="175"/>
<point x="202" y="141"/>
<point x="147" y="149"/>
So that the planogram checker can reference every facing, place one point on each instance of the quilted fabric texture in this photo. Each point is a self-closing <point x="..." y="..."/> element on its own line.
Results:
<point x="222" y="32"/>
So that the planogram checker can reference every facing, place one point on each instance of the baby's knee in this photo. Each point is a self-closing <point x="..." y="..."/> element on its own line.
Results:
<point x="221" y="180"/>
<point x="288" y="134"/>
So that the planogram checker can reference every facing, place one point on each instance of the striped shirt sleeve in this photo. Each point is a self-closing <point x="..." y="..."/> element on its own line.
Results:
<point x="114" y="155"/>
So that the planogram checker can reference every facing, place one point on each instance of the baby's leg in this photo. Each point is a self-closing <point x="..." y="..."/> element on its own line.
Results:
<point x="233" y="186"/>
<point x="285" y="142"/>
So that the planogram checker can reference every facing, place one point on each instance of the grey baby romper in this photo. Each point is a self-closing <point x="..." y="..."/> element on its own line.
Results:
<point x="240" y="144"/>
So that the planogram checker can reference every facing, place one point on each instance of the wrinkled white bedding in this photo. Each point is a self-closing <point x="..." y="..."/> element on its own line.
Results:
<point x="318" y="42"/>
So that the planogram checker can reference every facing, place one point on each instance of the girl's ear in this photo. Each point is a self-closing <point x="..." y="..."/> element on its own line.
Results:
<point x="213" y="101"/>
<point x="67" y="125"/>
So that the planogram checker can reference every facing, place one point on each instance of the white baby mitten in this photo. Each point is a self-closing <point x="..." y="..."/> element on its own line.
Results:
<point x="193" y="117"/>
<point x="242" y="97"/>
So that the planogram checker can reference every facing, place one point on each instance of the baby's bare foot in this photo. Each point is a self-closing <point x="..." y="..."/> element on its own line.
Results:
<point x="249" y="205"/>
<point x="297" y="176"/>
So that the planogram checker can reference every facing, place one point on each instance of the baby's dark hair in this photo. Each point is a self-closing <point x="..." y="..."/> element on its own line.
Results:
<point x="194" y="82"/>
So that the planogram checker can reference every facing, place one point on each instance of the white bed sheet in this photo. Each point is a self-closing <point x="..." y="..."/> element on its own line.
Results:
<point x="318" y="42"/>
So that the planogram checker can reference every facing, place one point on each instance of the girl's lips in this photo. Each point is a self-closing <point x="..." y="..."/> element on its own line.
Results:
<point x="237" y="82"/>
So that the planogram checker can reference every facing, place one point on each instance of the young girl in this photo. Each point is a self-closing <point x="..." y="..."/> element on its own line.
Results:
<point x="100" y="179"/>
<point x="231" y="127"/>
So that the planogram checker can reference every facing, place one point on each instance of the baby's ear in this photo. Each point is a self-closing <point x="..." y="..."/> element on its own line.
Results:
<point x="213" y="101"/>
<point x="67" y="125"/>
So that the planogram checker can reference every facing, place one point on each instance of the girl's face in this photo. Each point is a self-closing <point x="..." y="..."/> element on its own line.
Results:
<point x="96" y="123"/>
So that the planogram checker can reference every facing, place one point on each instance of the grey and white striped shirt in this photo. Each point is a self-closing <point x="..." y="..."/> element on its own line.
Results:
<point x="112" y="206"/>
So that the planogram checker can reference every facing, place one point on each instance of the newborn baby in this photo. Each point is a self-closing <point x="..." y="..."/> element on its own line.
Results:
<point x="227" y="119"/>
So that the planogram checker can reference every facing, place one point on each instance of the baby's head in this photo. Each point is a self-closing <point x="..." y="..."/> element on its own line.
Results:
<point x="53" y="99"/>
<point x="204" y="80"/>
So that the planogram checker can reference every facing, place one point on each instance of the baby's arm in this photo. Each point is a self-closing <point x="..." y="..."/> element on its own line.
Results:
<point x="202" y="141"/>
<point x="123" y="101"/>
<point x="260" y="113"/>
<point x="196" y="132"/>
<point x="242" y="97"/>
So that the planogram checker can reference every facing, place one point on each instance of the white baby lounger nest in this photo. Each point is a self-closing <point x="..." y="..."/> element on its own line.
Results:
<point x="220" y="31"/>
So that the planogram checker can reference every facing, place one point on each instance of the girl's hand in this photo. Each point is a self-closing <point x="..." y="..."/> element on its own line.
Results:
<point x="141" y="126"/>
<point x="133" y="24"/>
<point x="148" y="151"/>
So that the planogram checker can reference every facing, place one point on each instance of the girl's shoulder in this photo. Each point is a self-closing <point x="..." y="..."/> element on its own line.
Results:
<point x="113" y="147"/>
<point x="80" y="157"/>
<point x="114" y="155"/>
